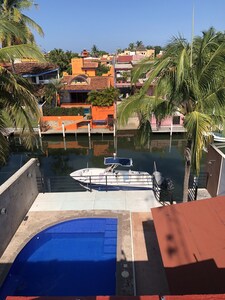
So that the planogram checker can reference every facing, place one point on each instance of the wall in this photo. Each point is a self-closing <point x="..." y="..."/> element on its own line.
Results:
<point x="55" y="123"/>
<point x="17" y="195"/>
<point x="77" y="64"/>
<point x="221" y="185"/>
<point x="213" y="163"/>
<point x="101" y="113"/>
<point x="77" y="68"/>
<point x="167" y="121"/>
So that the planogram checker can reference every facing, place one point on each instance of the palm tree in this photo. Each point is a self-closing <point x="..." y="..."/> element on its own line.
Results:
<point x="131" y="47"/>
<point x="19" y="104"/>
<point x="190" y="79"/>
<point x="139" y="43"/>
<point x="94" y="51"/>
<point x="52" y="91"/>
<point x="12" y="11"/>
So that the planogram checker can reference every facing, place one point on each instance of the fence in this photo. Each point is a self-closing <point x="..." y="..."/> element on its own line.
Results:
<point x="164" y="192"/>
<point x="51" y="184"/>
<point x="195" y="183"/>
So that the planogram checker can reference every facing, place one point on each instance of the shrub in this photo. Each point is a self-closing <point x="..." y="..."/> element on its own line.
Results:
<point x="105" y="97"/>
<point x="61" y="111"/>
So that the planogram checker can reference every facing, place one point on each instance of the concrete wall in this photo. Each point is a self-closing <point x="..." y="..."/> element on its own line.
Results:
<point x="213" y="167"/>
<point x="17" y="195"/>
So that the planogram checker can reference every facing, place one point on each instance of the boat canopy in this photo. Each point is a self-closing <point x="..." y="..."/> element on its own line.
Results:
<point x="126" y="162"/>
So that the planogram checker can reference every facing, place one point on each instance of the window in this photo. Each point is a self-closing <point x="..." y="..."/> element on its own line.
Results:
<point x="176" y="120"/>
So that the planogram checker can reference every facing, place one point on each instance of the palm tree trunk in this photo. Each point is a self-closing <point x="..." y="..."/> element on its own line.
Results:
<point x="187" y="171"/>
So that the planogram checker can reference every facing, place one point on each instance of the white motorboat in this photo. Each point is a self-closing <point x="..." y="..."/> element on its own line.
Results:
<point x="218" y="138"/>
<point x="111" y="178"/>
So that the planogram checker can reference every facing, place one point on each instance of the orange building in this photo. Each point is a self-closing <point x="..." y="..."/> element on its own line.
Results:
<point x="75" y="93"/>
<point x="83" y="66"/>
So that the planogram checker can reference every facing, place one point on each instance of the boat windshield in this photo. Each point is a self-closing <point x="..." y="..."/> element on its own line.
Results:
<point x="126" y="162"/>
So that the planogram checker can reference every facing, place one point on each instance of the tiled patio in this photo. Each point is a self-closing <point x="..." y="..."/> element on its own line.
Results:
<point x="137" y="250"/>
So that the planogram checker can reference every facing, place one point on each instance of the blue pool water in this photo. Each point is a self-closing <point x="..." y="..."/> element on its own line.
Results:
<point x="73" y="258"/>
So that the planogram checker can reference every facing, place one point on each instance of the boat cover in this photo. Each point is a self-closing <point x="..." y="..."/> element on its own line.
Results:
<point x="126" y="162"/>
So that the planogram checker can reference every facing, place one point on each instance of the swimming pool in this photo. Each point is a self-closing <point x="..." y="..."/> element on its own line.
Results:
<point x="73" y="258"/>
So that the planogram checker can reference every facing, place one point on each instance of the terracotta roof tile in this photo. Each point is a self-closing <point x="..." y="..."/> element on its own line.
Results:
<point x="32" y="68"/>
<point x="191" y="239"/>
<point x="93" y="83"/>
<point x="124" y="58"/>
<point x="90" y="65"/>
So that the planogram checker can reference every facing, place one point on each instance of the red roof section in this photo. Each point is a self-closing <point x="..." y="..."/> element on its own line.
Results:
<point x="191" y="238"/>
<point x="93" y="83"/>
<point x="196" y="297"/>
<point x="90" y="65"/>
<point x="32" y="68"/>
<point x="185" y="297"/>
<point x="124" y="58"/>
<point x="86" y="298"/>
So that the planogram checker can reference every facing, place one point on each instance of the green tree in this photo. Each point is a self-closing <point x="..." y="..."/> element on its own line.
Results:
<point x="191" y="80"/>
<point x="52" y="90"/>
<point x="139" y="43"/>
<point x="62" y="59"/>
<point x="105" y="97"/>
<point x="119" y="50"/>
<point x="131" y="46"/>
<point x="94" y="51"/>
<point x="12" y="11"/>
<point x="102" y="69"/>
<point x="157" y="49"/>
<point x="18" y="105"/>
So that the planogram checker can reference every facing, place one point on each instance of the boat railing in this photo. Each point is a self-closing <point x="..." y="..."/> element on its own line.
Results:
<point x="47" y="184"/>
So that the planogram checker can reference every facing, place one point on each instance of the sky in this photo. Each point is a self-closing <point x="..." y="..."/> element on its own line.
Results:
<point x="110" y="25"/>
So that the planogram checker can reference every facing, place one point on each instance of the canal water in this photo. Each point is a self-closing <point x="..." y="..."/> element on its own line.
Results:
<point x="59" y="157"/>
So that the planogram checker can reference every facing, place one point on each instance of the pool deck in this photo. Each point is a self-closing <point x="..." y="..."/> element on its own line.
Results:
<point x="138" y="201"/>
<point x="137" y="252"/>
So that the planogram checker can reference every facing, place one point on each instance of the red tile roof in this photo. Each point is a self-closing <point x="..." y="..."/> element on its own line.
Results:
<point x="32" y="68"/>
<point x="196" y="297"/>
<point x="124" y="58"/>
<point x="93" y="83"/>
<point x="150" y="297"/>
<point x="90" y="65"/>
<point x="85" y="298"/>
<point x="192" y="243"/>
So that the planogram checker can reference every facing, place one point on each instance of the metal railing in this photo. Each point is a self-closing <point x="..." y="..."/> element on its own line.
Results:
<point x="163" y="194"/>
<point x="195" y="183"/>
<point x="48" y="184"/>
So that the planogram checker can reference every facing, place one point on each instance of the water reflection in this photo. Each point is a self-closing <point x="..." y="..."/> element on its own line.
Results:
<point x="60" y="156"/>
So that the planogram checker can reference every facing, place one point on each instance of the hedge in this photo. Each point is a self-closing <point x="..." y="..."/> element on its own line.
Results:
<point x="61" y="111"/>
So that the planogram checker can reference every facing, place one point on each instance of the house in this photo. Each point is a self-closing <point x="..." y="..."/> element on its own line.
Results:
<point x="141" y="50"/>
<point x="75" y="94"/>
<point x="77" y="87"/>
<point x="35" y="72"/>
<point x="82" y="81"/>
<point x="84" y="66"/>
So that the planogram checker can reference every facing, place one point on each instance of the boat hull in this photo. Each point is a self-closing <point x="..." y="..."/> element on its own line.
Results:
<point x="218" y="138"/>
<point x="100" y="179"/>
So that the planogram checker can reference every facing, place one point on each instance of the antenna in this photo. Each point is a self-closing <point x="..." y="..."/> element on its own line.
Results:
<point x="192" y="32"/>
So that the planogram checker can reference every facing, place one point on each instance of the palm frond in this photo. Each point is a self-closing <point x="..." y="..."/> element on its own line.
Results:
<point x="198" y="127"/>
<point x="143" y="135"/>
<point x="21" y="51"/>
<point x="31" y="23"/>
<point x="134" y="104"/>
